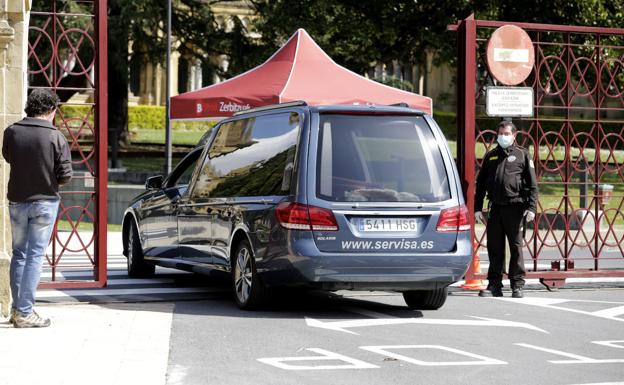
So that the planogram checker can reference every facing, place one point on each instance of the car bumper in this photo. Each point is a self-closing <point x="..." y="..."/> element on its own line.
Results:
<point x="304" y="265"/>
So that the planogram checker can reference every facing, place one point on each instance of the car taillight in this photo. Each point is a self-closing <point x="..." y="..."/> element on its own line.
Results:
<point x="295" y="216"/>
<point x="454" y="219"/>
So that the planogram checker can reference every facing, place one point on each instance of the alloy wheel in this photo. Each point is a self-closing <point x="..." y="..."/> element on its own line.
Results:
<point x="130" y="248"/>
<point x="243" y="275"/>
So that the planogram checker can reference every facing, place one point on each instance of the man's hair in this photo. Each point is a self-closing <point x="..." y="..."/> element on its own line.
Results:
<point x="40" y="102"/>
<point x="507" y="123"/>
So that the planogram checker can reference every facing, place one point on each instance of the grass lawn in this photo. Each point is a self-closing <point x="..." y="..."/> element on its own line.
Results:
<point x="550" y="194"/>
<point x="191" y="137"/>
<point x="558" y="153"/>
<point x="152" y="163"/>
<point x="178" y="137"/>
<point x="63" y="225"/>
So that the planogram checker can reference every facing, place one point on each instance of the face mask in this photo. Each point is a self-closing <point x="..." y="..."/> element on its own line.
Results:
<point x="505" y="140"/>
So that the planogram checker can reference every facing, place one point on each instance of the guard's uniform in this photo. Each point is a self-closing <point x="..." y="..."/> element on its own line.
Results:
<point x="508" y="177"/>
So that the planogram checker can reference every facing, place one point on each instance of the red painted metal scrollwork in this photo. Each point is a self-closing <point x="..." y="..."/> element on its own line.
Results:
<point x="67" y="53"/>
<point x="576" y="138"/>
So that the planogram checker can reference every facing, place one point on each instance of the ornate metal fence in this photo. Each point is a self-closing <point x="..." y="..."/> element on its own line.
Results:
<point x="576" y="137"/>
<point x="67" y="53"/>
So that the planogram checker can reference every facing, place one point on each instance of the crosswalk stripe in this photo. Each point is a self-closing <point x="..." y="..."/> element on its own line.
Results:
<point x="120" y="286"/>
<point x="123" y="292"/>
<point x="611" y="312"/>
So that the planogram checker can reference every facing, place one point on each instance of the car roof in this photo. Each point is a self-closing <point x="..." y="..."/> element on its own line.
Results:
<point x="401" y="108"/>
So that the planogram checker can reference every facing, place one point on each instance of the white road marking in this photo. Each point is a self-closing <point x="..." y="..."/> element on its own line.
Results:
<point x="548" y="303"/>
<point x="575" y="358"/>
<point x="611" y="344"/>
<point x="41" y="294"/>
<point x="602" y="383"/>
<point x="325" y="355"/>
<point x="479" y="360"/>
<point x="609" y="313"/>
<point x="343" y="326"/>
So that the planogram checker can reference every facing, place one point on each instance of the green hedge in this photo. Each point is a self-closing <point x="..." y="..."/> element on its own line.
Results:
<point x="153" y="118"/>
<point x="447" y="122"/>
<point x="139" y="117"/>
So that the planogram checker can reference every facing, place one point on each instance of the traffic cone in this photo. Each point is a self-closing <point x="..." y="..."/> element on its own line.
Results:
<point x="471" y="282"/>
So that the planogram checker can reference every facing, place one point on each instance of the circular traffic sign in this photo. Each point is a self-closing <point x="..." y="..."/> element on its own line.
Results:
<point x="510" y="55"/>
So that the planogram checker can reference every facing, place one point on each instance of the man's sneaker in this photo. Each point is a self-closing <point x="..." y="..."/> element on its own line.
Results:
<point x="33" y="320"/>
<point x="517" y="293"/>
<point x="12" y="317"/>
<point x="491" y="292"/>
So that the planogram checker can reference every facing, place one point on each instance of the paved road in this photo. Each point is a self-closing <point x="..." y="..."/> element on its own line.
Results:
<point x="568" y="337"/>
<point x="574" y="336"/>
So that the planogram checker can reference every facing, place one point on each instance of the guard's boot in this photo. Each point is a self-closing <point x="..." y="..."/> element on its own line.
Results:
<point x="491" y="292"/>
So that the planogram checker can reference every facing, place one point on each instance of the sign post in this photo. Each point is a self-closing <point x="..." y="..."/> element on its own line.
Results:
<point x="510" y="59"/>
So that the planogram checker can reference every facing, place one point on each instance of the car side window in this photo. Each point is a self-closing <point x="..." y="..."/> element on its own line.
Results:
<point x="183" y="172"/>
<point x="250" y="157"/>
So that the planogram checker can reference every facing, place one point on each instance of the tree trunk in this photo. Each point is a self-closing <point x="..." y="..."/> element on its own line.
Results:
<point x="117" y="81"/>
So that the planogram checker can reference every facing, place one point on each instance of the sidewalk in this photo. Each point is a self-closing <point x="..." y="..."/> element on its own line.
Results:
<point x="88" y="344"/>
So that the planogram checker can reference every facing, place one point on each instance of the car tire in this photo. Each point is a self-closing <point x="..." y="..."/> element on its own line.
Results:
<point x="425" y="299"/>
<point x="137" y="268"/>
<point x="249" y="291"/>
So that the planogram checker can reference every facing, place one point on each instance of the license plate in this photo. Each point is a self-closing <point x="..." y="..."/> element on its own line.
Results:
<point x="387" y="224"/>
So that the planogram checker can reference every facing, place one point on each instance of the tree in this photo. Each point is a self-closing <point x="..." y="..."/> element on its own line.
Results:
<point x="362" y="33"/>
<point x="141" y="25"/>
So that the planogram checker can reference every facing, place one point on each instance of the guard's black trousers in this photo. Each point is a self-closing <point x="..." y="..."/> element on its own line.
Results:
<point x="505" y="221"/>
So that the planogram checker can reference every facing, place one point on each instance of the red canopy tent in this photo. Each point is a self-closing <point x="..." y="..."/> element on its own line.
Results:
<point x="300" y="70"/>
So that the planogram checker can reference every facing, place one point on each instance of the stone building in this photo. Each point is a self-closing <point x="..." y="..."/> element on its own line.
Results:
<point x="13" y="54"/>
<point x="147" y="83"/>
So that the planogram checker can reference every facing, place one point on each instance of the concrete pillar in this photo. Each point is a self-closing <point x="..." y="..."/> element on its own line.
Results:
<point x="175" y="67"/>
<point x="14" y="16"/>
<point x="158" y="93"/>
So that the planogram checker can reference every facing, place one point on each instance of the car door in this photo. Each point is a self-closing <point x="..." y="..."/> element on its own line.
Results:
<point x="162" y="233"/>
<point x="199" y="210"/>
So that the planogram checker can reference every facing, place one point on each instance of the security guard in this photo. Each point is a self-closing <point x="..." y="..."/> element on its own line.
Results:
<point x="508" y="177"/>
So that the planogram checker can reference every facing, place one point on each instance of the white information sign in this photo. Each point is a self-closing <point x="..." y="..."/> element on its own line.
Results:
<point x="509" y="101"/>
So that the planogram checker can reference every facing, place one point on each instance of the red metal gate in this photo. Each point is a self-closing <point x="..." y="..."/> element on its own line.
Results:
<point x="67" y="53"/>
<point x="576" y="138"/>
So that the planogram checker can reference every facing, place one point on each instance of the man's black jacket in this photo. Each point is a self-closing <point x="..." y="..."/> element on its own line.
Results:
<point x="508" y="176"/>
<point x="39" y="157"/>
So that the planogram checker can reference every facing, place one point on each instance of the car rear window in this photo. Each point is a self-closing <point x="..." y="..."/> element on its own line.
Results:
<point x="372" y="158"/>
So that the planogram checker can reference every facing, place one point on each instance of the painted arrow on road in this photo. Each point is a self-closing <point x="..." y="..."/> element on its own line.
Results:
<point x="343" y="326"/>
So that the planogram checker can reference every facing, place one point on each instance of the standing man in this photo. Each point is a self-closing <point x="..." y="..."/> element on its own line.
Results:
<point x="40" y="161"/>
<point x="508" y="177"/>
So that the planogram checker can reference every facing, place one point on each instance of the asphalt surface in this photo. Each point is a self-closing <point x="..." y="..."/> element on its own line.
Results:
<point x="573" y="336"/>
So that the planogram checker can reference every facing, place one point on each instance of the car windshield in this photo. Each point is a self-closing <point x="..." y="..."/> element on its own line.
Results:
<point x="371" y="158"/>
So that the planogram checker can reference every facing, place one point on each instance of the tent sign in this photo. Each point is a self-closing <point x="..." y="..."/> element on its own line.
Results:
<point x="509" y="101"/>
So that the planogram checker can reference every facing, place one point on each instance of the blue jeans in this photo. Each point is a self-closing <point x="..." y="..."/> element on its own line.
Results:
<point x="31" y="225"/>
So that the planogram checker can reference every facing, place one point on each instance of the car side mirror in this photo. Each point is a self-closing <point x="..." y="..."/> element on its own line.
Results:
<point x="154" y="182"/>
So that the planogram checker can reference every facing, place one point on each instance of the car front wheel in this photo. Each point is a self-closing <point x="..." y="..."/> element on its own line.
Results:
<point x="249" y="291"/>
<point x="136" y="264"/>
<point x="425" y="299"/>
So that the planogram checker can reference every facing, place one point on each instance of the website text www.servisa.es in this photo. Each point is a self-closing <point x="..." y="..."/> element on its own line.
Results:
<point x="403" y="244"/>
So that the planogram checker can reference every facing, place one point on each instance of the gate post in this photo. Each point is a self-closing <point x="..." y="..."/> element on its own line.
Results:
<point x="101" y="86"/>
<point x="466" y="92"/>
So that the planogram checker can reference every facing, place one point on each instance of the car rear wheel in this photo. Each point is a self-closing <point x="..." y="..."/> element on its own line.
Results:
<point x="425" y="299"/>
<point x="249" y="291"/>
<point x="136" y="264"/>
